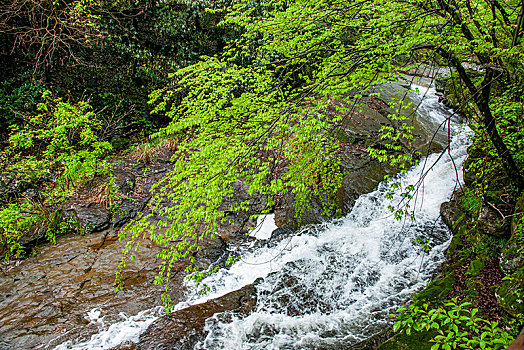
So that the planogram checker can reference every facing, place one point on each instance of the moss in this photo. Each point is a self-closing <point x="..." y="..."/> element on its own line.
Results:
<point x="437" y="290"/>
<point x="341" y="136"/>
<point x="472" y="282"/>
<point x="510" y="294"/>
<point x="456" y="244"/>
<point x="485" y="247"/>
<point x="414" y="341"/>
<point x="475" y="268"/>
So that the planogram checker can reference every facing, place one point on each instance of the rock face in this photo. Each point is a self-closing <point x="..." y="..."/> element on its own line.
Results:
<point x="183" y="329"/>
<point x="45" y="300"/>
<point x="451" y="212"/>
<point x="510" y="294"/>
<point x="491" y="223"/>
<point x="126" y="196"/>
<point x="92" y="217"/>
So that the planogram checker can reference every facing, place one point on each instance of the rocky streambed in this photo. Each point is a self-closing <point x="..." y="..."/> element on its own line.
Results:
<point x="64" y="294"/>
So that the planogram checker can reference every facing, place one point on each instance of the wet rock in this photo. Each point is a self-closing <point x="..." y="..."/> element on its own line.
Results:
<point x="490" y="222"/>
<point x="46" y="298"/>
<point x="277" y="236"/>
<point x="93" y="217"/>
<point x="373" y="342"/>
<point x="213" y="252"/>
<point x="182" y="329"/>
<point x="314" y="212"/>
<point x="127" y="210"/>
<point x="451" y="212"/>
<point x="357" y="182"/>
<point x="128" y="345"/>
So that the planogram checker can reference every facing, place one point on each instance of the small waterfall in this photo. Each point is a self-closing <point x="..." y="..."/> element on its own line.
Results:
<point x="335" y="284"/>
<point x="331" y="285"/>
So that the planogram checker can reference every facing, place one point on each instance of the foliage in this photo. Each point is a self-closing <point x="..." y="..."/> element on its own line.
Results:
<point x="456" y="325"/>
<point x="262" y="113"/>
<point x="114" y="52"/>
<point x="17" y="96"/>
<point x="13" y="223"/>
<point x="66" y="135"/>
<point x="248" y="150"/>
<point x="19" y="218"/>
<point x="55" y="151"/>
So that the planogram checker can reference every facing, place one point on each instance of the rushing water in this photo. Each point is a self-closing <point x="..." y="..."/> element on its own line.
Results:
<point x="334" y="284"/>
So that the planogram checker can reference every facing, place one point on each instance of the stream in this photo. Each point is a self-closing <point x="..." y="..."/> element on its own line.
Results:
<point x="331" y="285"/>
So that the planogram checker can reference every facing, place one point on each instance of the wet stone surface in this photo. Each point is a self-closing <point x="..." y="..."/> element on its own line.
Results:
<point x="45" y="300"/>
<point x="183" y="329"/>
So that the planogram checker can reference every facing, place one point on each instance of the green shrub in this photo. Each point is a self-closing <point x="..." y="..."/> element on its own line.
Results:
<point x="456" y="325"/>
<point x="54" y="151"/>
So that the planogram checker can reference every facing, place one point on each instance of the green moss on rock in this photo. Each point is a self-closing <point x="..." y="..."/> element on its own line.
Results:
<point x="510" y="294"/>
<point x="437" y="290"/>
<point x="414" y="341"/>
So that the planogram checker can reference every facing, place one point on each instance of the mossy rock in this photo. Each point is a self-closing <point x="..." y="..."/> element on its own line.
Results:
<point x="452" y="212"/>
<point x="510" y="294"/>
<point x="475" y="268"/>
<point x="437" y="290"/>
<point x="511" y="257"/>
<point x="518" y="218"/>
<point x="414" y="341"/>
<point x="491" y="223"/>
<point x="119" y="142"/>
<point x="341" y="135"/>
<point x="456" y="245"/>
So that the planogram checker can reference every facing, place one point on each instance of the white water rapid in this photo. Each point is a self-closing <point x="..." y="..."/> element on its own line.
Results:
<point x="332" y="285"/>
<point x="335" y="284"/>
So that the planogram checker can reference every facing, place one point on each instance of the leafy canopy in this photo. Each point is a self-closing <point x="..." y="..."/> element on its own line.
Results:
<point x="262" y="113"/>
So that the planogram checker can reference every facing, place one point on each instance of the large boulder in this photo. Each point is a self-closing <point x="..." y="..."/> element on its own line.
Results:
<point x="183" y="329"/>
<point x="491" y="222"/>
<point x="46" y="298"/>
<point x="93" y="217"/>
<point x="451" y="212"/>
<point x="510" y="294"/>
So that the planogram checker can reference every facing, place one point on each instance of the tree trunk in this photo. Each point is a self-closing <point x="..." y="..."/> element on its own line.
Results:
<point x="481" y="97"/>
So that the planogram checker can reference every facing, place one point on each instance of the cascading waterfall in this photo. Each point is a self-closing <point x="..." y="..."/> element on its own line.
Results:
<point x="335" y="284"/>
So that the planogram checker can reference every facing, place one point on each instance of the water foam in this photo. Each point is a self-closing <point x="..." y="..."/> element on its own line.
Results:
<point x="128" y="329"/>
<point x="335" y="284"/>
